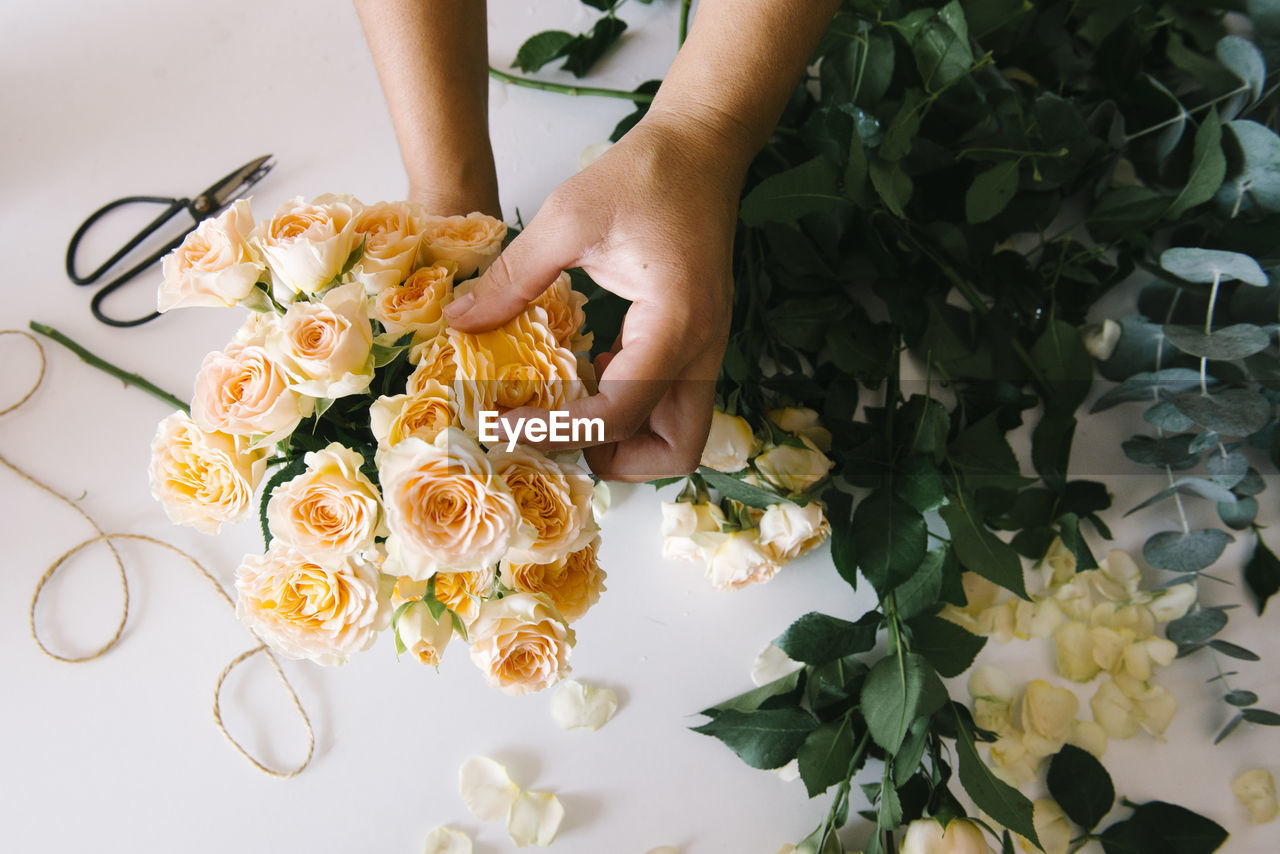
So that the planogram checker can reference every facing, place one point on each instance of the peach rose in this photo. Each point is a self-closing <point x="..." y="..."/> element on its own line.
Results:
<point x="303" y="609"/>
<point x="517" y="364"/>
<point x="460" y="592"/>
<point x="423" y="636"/>
<point x="471" y="241"/>
<point x="729" y="444"/>
<point x="793" y="469"/>
<point x="243" y="391"/>
<point x="565" y="317"/>
<point x="416" y="306"/>
<point x="435" y="360"/>
<point x="736" y="560"/>
<point x="391" y="240"/>
<point x="521" y="643"/>
<point x="214" y="265"/>
<point x="326" y="347"/>
<point x="446" y="509"/>
<point x="554" y="500"/>
<point x="573" y="583"/>
<point x="789" y="530"/>
<point x="307" y="245"/>
<point x="422" y="415"/>
<point x="202" y="479"/>
<point x="330" y="511"/>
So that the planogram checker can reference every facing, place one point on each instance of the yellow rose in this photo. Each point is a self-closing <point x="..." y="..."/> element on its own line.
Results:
<point x="680" y="521"/>
<point x="306" y="245"/>
<point x="416" y="306"/>
<point x="464" y="592"/>
<point x="736" y="560"/>
<point x="421" y="415"/>
<point x="303" y="609"/>
<point x="802" y="421"/>
<point x="517" y="364"/>
<point x="326" y="347"/>
<point x="446" y="509"/>
<point x="554" y="500"/>
<point x="729" y="444"/>
<point x="793" y="470"/>
<point x="214" y="265"/>
<point x="331" y="510"/>
<point x="565" y="317"/>
<point x="202" y="479"/>
<point x="471" y="241"/>
<point x="573" y="583"/>
<point x="422" y="635"/>
<point x="926" y="836"/>
<point x="521" y="643"/>
<point x="435" y="361"/>
<point x="391" y="241"/>
<point x="243" y="391"/>
<point x="789" y="530"/>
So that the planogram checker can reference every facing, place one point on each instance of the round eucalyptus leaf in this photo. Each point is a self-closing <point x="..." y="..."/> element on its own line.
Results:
<point x="1227" y="470"/>
<point x="1240" y="514"/>
<point x="1168" y="451"/>
<point x="1233" y="412"/>
<point x="1252" y="484"/>
<point x="1258" y="182"/>
<point x="1203" y="442"/>
<point x="1196" y="627"/>
<point x="1233" y="342"/>
<point x="1167" y="417"/>
<point x="1245" y="61"/>
<point x="1241" y="698"/>
<point x="1204" y="265"/>
<point x="1185" y="552"/>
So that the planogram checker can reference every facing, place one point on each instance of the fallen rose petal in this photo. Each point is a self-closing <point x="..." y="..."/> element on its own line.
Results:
<point x="772" y="663"/>
<point x="578" y="706"/>
<point x="534" y="819"/>
<point x="486" y="788"/>
<point x="1256" y="790"/>
<point x="446" y="840"/>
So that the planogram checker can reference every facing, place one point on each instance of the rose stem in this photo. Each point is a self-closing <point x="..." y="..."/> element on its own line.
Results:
<point x="106" y="367"/>
<point x="638" y="97"/>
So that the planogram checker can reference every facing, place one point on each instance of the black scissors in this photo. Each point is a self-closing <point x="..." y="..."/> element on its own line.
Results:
<point x="206" y="204"/>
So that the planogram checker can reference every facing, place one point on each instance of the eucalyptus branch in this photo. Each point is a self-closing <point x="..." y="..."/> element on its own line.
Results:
<point x="135" y="380"/>
<point x="547" y="86"/>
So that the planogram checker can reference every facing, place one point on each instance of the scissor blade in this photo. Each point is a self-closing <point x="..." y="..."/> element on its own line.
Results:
<point x="234" y="184"/>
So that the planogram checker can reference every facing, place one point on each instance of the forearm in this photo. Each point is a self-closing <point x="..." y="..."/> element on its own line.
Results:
<point x="432" y="60"/>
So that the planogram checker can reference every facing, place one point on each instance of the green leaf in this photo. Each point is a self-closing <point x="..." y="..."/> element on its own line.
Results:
<point x="286" y="473"/>
<point x="941" y="48"/>
<point x="825" y="756"/>
<point x="1232" y="412"/>
<point x="843" y="555"/>
<point x="760" y="497"/>
<point x="997" y="798"/>
<point x="919" y="483"/>
<point x="1258" y="180"/>
<point x="1204" y="265"/>
<point x="1208" y="167"/>
<point x="587" y="49"/>
<point x="1081" y="786"/>
<point x="907" y="759"/>
<point x="817" y="638"/>
<point x="1065" y="364"/>
<point x="1148" y="385"/>
<point x="948" y="647"/>
<point x="904" y="127"/>
<point x="890" y="537"/>
<point x="1262" y="575"/>
<point x="983" y="453"/>
<point x="889" y="810"/>
<point x="892" y="184"/>
<point x="981" y="551"/>
<point x="922" y="590"/>
<point x="1196" y="627"/>
<point x="787" y="196"/>
<point x="1261" y="716"/>
<point x="1240" y="514"/>
<point x="1232" y="342"/>
<point x="1240" y="698"/>
<point x="895" y="694"/>
<point x="991" y="191"/>
<point x="395" y="629"/>
<point x="1189" y="551"/>
<point x="753" y="699"/>
<point x="541" y="48"/>
<point x="1160" y="827"/>
<point x="1229" y="728"/>
<point x="765" y="738"/>
<point x="1245" y="61"/>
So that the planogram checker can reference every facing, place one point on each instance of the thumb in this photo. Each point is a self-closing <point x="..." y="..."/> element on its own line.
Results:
<point x="525" y="269"/>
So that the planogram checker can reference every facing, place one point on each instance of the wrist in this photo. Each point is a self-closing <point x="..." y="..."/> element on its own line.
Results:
<point x="719" y="142"/>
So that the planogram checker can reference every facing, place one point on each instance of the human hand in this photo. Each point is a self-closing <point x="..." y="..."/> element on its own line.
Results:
<point x="652" y="220"/>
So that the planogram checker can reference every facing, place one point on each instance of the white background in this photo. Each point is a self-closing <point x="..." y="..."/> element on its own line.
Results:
<point x="104" y="100"/>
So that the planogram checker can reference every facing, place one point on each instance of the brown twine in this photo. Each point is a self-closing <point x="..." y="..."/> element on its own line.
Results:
<point x="109" y="540"/>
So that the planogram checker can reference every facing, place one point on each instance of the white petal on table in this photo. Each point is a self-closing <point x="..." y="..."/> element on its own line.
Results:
<point x="575" y="705"/>
<point x="534" y="819"/>
<point x="486" y="788"/>
<point x="446" y="840"/>
<point x="770" y="664"/>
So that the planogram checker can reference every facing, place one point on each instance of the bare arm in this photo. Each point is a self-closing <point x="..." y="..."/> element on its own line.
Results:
<point x="432" y="58"/>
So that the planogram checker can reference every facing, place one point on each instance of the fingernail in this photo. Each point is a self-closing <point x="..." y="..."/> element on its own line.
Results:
<point x="460" y="306"/>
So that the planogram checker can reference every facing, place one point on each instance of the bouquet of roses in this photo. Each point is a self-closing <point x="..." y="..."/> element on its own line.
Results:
<point x="385" y="509"/>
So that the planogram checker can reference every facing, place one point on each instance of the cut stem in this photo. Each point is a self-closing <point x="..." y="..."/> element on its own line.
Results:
<point x="103" y="365"/>
<point x="546" y="86"/>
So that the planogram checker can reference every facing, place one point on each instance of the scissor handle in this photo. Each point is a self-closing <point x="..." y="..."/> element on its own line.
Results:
<point x="173" y="206"/>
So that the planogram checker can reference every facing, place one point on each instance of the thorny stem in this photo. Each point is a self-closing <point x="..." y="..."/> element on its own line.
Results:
<point x="547" y="86"/>
<point x="103" y="365"/>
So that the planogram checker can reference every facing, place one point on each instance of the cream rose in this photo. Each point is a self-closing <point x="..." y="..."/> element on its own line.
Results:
<point x="435" y="361"/>
<point x="736" y="560"/>
<point x="802" y="421"/>
<point x="471" y="241"/>
<point x="729" y="444"/>
<point x="573" y="584"/>
<point x="307" y="245"/>
<point x="680" y="521"/>
<point x="416" y="306"/>
<point x="422" y="635"/>
<point x="391" y="240"/>
<point x="243" y="391"/>
<point x="789" y="530"/>
<point x="926" y="836"/>
<point x="565" y="317"/>
<point x="215" y="265"/>
<point x="421" y="415"/>
<point x="517" y="364"/>
<point x="304" y="609"/>
<point x="326" y="347"/>
<point x="554" y="500"/>
<point x="521" y="643"/>
<point x="331" y="510"/>
<point x="791" y="469"/>
<point x="202" y="479"/>
<point x="446" y="509"/>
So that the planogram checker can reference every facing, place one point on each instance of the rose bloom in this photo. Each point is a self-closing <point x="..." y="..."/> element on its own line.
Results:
<point x="789" y="530"/>
<point x="793" y="470"/>
<point x="331" y="510"/>
<point x="326" y="347"/>
<point x="554" y="500"/>
<point x="573" y="583"/>
<point x="729" y="444"/>
<point x="460" y="592"/>
<point x="435" y="360"/>
<point x="446" y="509"/>
<point x="306" y="245"/>
<point x="926" y="836"/>
<point x="202" y="479"/>
<point x="214" y="265"/>
<point x="391" y="240"/>
<point x="565" y="317"/>
<point x="255" y="329"/>
<point x="416" y="306"/>
<point x="802" y="421"/>
<point x="736" y="560"/>
<point x="517" y="364"/>
<point x="680" y="521"/>
<point x="303" y="609"/>
<point x="243" y="391"/>
<point x="521" y="643"/>
<point x="422" y="635"/>
<point x="421" y="415"/>
<point x="471" y="241"/>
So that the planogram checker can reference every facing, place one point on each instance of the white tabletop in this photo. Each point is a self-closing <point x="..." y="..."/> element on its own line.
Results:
<point x="106" y="100"/>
